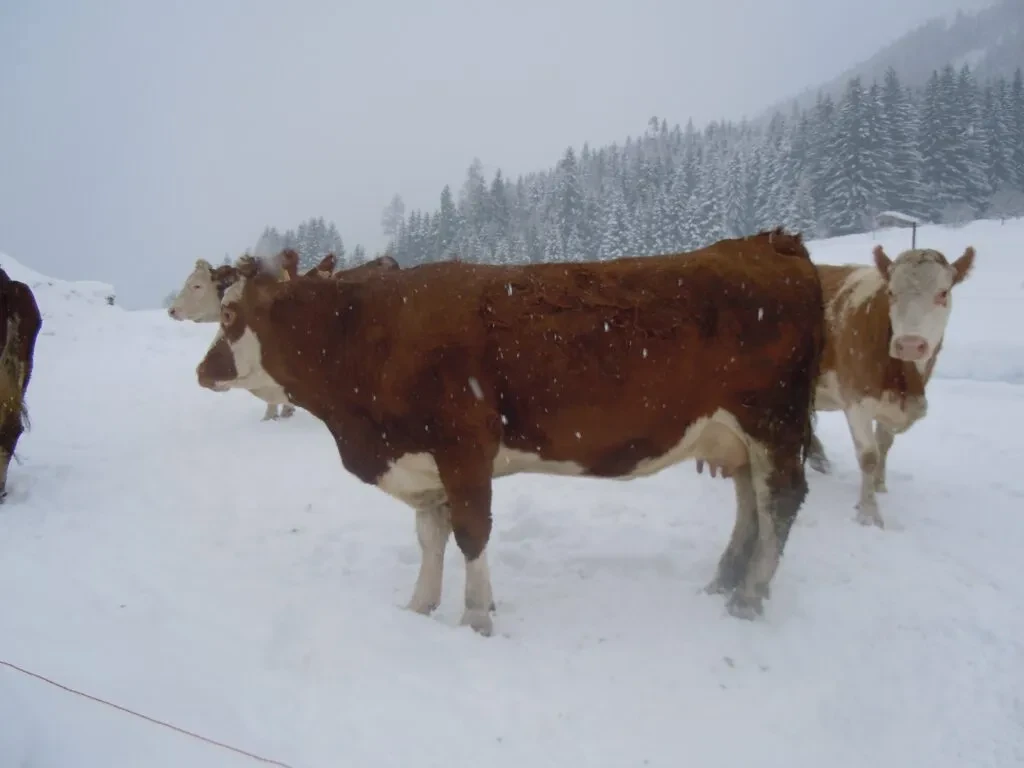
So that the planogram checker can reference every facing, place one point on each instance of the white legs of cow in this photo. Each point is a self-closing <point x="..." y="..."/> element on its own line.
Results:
<point x="860" y="419"/>
<point x="270" y="414"/>
<point x="884" y="438"/>
<point x="432" y="530"/>
<point x="433" y="527"/>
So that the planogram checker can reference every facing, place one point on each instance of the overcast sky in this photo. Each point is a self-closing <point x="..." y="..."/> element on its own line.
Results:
<point x="138" y="136"/>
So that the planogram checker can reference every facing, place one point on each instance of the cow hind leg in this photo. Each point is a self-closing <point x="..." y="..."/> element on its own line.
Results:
<point x="780" y="487"/>
<point x="732" y="566"/>
<point x="433" y="526"/>
<point x="884" y="438"/>
<point x="860" y="422"/>
<point x="270" y="413"/>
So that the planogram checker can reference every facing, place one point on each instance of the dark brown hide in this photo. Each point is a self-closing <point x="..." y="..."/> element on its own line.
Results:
<point x="20" y="323"/>
<point x="604" y="365"/>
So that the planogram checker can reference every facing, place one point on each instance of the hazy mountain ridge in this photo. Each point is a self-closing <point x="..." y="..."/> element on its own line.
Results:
<point x="990" y="40"/>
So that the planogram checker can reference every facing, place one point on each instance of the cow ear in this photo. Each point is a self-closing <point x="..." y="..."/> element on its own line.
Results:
<point x="882" y="262"/>
<point x="247" y="266"/>
<point x="962" y="266"/>
<point x="203" y="264"/>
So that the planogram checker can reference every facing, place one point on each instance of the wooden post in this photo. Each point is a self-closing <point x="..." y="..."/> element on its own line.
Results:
<point x="913" y="235"/>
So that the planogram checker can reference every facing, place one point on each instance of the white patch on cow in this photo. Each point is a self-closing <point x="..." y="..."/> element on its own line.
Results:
<point x="413" y="479"/>
<point x="717" y="438"/>
<point x="859" y="287"/>
<point x="913" y="311"/>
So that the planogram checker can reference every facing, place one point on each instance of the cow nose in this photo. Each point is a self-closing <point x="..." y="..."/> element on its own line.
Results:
<point x="173" y="312"/>
<point x="910" y="347"/>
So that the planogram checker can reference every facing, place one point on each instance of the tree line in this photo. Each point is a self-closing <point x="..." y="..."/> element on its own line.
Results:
<point x="950" y="151"/>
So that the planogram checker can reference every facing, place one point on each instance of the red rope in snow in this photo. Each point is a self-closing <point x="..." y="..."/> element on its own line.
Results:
<point x="98" y="700"/>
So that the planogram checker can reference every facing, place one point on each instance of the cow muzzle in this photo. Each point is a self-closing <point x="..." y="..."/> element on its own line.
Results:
<point x="909" y="348"/>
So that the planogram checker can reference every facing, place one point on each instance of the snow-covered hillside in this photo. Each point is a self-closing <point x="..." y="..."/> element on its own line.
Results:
<point x="162" y="548"/>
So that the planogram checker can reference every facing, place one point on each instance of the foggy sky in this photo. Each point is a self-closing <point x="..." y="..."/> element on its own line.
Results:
<point x="137" y="136"/>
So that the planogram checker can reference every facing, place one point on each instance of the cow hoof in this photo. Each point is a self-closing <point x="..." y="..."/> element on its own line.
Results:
<point x="870" y="517"/>
<point x="3" y="495"/>
<point x="422" y="607"/>
<point x="494" y="607"/>
<point x="820" y="464"/>
<point x="480" y="621"/>
<point x="716" y="587"/>
<point x="743" y="606"/>
<point x="287" y="411"/>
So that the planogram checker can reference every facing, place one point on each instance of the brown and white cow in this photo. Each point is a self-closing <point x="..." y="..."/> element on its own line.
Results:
<point x="199" y="301"/>
<point x="435" y="380"/>
<point x="885" y="328"/>
<point x="20" y="323"/>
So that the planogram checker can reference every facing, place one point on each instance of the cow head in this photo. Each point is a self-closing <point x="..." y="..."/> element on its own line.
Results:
<point x="197" y="300"/>
<point x="919" y="283"/>
<point x="234" y="359"/>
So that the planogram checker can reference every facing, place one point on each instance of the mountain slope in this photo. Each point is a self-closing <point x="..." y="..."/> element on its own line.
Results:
<point x="990" y="40"/>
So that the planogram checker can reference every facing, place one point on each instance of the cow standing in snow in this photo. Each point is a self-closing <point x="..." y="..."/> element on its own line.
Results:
<point x="20" y="323"/>
<point x="435" y="380"/>
<point x="885" y="328"/>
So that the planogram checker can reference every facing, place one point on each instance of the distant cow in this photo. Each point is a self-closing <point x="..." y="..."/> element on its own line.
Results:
<point x="436" y="379"/>
<point x="886" y="325"/>
<point x="199" y="300"/>
<point x="20" y="323"/>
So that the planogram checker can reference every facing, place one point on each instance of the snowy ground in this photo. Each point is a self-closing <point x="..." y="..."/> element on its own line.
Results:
<point x="163" y="548"/>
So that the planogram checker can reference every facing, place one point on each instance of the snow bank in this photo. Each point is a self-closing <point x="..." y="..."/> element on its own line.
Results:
<point x="984" y="340"/>
<point x="60" y="298"/>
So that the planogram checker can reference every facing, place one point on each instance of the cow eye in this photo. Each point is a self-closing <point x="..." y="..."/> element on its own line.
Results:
<point x="942" y="297"/>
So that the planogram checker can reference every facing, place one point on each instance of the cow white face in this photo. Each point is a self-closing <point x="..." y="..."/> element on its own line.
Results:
<point x="234" y="358"/>
<point x="198" y="299"/>
<point x="920" y="284"/>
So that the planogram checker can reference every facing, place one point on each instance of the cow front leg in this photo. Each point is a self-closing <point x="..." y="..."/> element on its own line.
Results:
<point x="270" y="413"/>
<point x="467" y="483"/>
<point x="860" y="420"/>
<point x="884" y="438"/>
<point x="432" y="529"/>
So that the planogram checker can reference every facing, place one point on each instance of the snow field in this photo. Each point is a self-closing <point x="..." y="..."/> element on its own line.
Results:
<point x="166" y="550"/>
